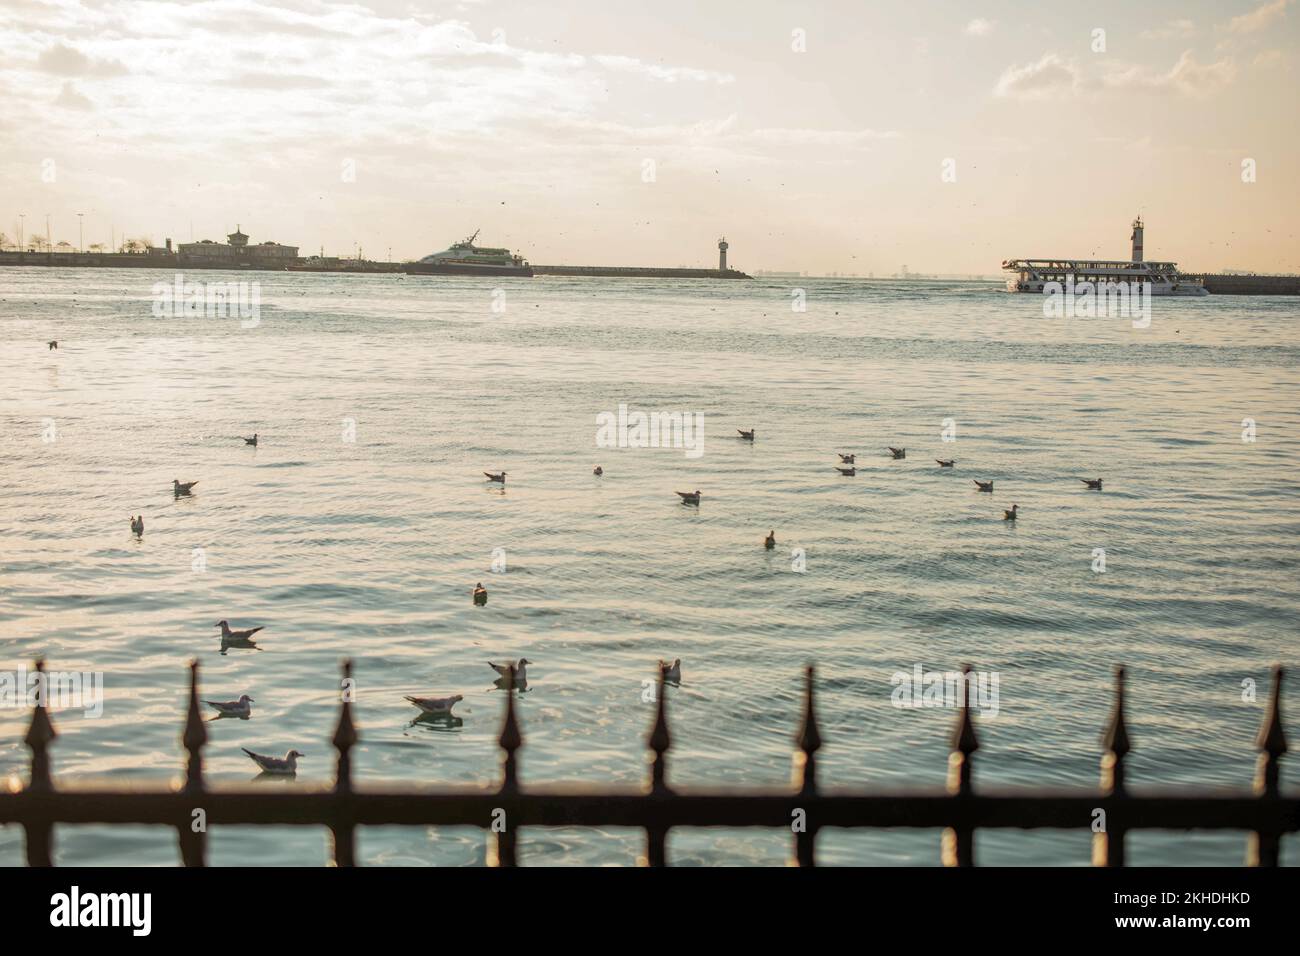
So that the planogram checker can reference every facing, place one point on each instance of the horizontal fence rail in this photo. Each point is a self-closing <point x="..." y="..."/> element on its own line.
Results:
<point x="656" y="808"/>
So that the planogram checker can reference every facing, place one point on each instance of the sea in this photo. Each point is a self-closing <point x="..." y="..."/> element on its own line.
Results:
<point x="360" y="523"/>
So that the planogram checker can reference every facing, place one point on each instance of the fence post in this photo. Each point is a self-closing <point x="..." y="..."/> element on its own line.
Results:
<point x="345" y="738"/>
<point x="959" y="839"/>
<point x="1264" y="848"/>
<point x="193" y="843"/>
<point x="1108" y="843"/>
<point x="805" y="773"/>
<point x="659" y="742"/>
<point x="40" y="735"/>
<point x="510" y="740"/>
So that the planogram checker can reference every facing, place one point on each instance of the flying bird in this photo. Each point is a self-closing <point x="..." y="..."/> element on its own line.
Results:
<point x="286" y="765"/>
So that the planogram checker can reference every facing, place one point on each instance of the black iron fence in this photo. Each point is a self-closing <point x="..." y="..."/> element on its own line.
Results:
<point x="805" y="809"/>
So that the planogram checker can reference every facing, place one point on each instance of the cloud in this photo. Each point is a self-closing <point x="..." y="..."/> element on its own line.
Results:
<point x="70" y="99"/>
<point x="980" y="27"/>
<point x="1268" y="58"/>
<point x="1260" y="18"/>
<point x="669" y="74"/>
<point x="1186" y="76"/>
<point x="69" y="61"/>
<point x="1049" y="77"/>
<point x="1174" y="29"/>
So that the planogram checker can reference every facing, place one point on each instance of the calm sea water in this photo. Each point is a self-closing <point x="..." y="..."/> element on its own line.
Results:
<point x="368" y="548"/>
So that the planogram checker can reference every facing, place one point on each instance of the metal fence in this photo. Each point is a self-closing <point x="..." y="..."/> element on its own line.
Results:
<point x="1265" y="812"/>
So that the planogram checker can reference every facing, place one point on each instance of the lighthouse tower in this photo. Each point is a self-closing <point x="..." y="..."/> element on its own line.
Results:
<point x="722" y="254"/>
<point x="1137" y="239"/>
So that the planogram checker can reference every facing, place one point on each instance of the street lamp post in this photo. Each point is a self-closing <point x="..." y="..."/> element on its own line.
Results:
<point x="81" y="233"/>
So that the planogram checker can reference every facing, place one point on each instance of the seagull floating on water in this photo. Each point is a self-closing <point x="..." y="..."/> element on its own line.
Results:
<point x="946" y="462"/>
<point x="251" y="441"/>
<point x="436" y="705"/>
<point x="286" y="765"/>
<point x="850" y="471"/>
<point x="746" y="435"/>
<point x="598" y="471"/>
<point x="690" y="497"/>
<point x="770" y="541"/>
<point x="480" y="594"/>
<point x="180" y="488"/>
<point x="1093" y="483"/>
<point x="521" y="670"/>
<point x="1011" y="515"/>
<point x="233" y="708"/>
<point x="228" y="635"/>
<point x="897" y="452"/>
<point x="499" y="478"/>
<point x="53" y="345"/>
<point x="137" y="526"/>
<point x="984" y="485"/>
<point x="845" y="459"/>
<point x="673" y="673"/>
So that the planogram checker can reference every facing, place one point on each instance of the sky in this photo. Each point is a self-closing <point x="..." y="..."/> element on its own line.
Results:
<point x="844" y="136"/>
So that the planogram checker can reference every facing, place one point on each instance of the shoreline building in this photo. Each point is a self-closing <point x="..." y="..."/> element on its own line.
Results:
<point x="236" y="252"/>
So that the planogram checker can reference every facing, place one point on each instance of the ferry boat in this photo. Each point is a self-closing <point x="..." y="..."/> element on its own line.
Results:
<point x="1163" y="278"/>
<point x="466" y="259"/>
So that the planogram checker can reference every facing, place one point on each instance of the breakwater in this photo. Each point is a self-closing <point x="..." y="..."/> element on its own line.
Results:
<point x="1249" y="284"/>
<point x="638" y="272"/>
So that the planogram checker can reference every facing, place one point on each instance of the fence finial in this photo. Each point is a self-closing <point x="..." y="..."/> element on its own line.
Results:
<point x="1272" y="736"/>
<point x="195" y="734"/>
<point x="510" y="739"/>
<point x="809" y="739"/>
<point x="40" y="734"/>
<point x="345" y="734"/>
<point x="660" y="739"/>
<point x="964" y="740"/>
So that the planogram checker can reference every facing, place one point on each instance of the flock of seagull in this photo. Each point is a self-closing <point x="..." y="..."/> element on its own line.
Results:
<point x="510" y="676"/>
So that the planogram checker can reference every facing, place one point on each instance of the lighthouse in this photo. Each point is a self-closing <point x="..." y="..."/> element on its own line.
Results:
<point x="722" y="254"/>
<point x="1137" y="239"/>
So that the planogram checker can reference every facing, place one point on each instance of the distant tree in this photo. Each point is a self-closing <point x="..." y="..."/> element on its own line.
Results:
<point x="63" y="246"/>
<point x="4" y="241"/>
<point x="96" y="247"/>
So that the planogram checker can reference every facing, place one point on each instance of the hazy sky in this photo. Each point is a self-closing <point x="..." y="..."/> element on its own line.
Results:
<point x="535" y="121"/>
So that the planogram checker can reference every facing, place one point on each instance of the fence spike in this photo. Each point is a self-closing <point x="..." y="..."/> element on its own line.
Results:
<point x="809" y="739"/>
<point x="40" y="734"/>
<point x="511" y="739"/>
<point x="660" y="739"/>
<point x="345" y="734"/>
<point x="1265" y="846"/>
<point x="1271" y="740"/>
<point x="959" y="839"/>
<point x="1108" y="843"/>
<point x="964" y="740"/>
<point x="195" y="734"/>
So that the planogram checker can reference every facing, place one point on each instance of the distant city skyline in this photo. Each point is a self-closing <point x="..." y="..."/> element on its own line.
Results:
<point x="838" y="138"/>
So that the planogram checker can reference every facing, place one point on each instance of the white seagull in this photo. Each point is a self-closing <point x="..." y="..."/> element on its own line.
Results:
<point x="521" y="670"/>
<point x="228" y="635"/>
<point x="233" y="708"/>
<point x="436" y="705"/>
<point x="287" y="765"/>
<point x="182" y="487"/>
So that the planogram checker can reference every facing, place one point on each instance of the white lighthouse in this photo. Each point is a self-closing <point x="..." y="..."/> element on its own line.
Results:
<point x="722" y="254"/>
<point x="1137" y="239"/>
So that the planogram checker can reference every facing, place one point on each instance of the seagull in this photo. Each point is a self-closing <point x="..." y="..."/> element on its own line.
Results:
<point x="287" y="765"/>
<point x="436" y="705"/>
<point x="251" y="441"/>
<point x="491" y="477"/>
<point x="233" y="708"/>
<point x="521" y="670"/>
<point x="1093" y="483"/>
<point x="671" y="674"/>
<point x="137" y="526"/>
<point x="480" y="594"/>
<point x="845" y="459"/>
<point x="770" y="541"/>
<point x="946" y="462"/>
<point x="228" y="635"/>
<point x="690" y="497"/>
<point x="898" y="452"/>
<point x="1011" y="515"/>
<point x="984" y="485"/>
<point x="182" y="488"/>
<point x="746" y="435"/>
<point x="850" y="471"/>
<point x="598" y="471"/>
<point x="53" y="345"/>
